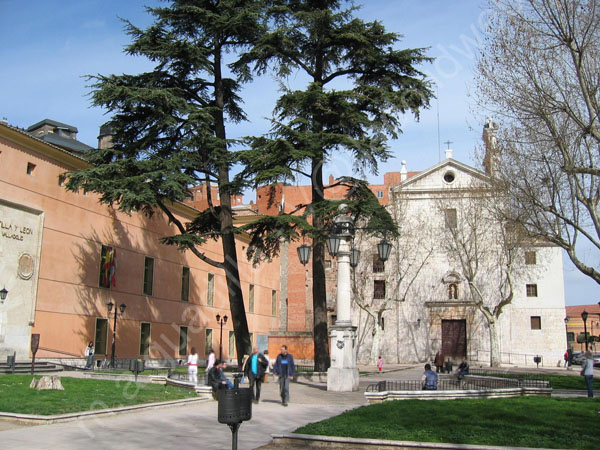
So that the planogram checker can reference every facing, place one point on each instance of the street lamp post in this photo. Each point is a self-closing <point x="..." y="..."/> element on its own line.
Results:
<point x="110" y="306"/>
<point x="343" y="375"/>
<point x="3" y="294"/>
<point x="584" y="316"/>
<point x="221" y="321"/>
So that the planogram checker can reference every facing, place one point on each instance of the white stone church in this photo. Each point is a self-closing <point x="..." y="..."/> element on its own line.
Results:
<point x="449" y="256"/>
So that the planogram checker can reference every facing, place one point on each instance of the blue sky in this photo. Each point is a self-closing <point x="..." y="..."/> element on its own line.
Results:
<point x="48" y="46"/>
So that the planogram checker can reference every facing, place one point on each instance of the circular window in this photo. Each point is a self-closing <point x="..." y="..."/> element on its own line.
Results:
<point x="449" y="177"/>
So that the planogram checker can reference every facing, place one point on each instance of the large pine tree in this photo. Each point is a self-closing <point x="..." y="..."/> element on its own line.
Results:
<point x="374" y="84"/>
<point x="169" y="127"/>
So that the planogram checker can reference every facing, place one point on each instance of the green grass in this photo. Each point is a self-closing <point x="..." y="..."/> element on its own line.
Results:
<point x="80" y="395"/>
<point x="576" y="382"/>
<point x="517" y="422"/>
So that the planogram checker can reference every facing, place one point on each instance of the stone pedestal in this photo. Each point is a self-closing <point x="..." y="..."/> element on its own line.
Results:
<point x="342" y="376"/>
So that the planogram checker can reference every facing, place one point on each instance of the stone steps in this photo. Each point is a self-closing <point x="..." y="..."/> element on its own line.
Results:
<point x="25" y="367"/>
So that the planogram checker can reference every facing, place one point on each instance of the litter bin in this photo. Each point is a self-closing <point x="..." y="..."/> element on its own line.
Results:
<point x="235" y="406"/>
<point x="11" y="360"/>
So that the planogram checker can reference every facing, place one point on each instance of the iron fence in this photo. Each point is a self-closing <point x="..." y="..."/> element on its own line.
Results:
<point x="469" y="382"/>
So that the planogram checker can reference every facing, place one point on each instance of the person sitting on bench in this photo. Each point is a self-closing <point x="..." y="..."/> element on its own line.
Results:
<point x="429" y="379"/>
<point x="216" y="377"/>
<point x="463" y="368"/>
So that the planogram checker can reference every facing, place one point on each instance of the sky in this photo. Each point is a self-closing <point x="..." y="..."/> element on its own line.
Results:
<point x="50" y="46"/>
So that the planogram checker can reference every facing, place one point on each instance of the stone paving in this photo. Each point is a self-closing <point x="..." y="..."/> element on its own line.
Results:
<point x="196" y="425"/>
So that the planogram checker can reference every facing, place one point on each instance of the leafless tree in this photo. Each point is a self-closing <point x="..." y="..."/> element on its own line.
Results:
<point x="487" y="251"/>
<point x="411" y="251"/>
<point x="539" y="74"/>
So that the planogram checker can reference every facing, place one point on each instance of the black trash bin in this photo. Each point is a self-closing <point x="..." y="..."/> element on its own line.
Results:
<point x="235" y="405"/>
<point x="11" y="360"/>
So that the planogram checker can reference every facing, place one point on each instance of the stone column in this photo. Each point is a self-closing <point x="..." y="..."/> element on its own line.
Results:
<point x="342" y="376"/>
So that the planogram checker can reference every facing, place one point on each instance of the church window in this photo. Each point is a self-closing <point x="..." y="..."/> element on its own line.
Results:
<point x="378" y="264"/>
<point x="531" y="290"/>
<point x="450" y="216"/>
<point x="379" y="289"/>
<point x="379" y="194"/>
<point x="449" y="177"/>
<point x="30" y="168"/>
<point x="530" y="258"/>
<point x="536" y="323"/>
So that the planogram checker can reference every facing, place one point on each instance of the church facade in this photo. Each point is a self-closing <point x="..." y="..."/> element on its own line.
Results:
<point x="446" y="285"/>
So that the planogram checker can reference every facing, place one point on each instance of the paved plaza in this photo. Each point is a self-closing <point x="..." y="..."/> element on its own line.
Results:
<point x="196" y="426"/>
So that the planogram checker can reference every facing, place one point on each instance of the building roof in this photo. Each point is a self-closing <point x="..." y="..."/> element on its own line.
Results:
<point x="576" y="310"/>
<point x="39" y="139"/>
<point x="69" y="144"/>
<point x="53" y="123"/>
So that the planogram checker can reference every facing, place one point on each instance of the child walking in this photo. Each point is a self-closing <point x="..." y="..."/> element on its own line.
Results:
<point x="380" y="363"/>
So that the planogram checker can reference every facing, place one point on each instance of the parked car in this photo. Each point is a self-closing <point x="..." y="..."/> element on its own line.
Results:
<point x="578" y="358"/>
<point x="596" y="357"/>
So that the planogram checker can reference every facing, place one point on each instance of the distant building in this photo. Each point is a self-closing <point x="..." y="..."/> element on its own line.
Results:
<point x="575" y="328"/>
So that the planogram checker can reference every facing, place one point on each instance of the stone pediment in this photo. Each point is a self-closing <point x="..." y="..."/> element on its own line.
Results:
<point x="448" y="174"/>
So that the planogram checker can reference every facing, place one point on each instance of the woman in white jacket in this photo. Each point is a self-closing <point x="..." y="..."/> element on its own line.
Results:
<point x="587" y="370"/>
<point x="192" y="363"/>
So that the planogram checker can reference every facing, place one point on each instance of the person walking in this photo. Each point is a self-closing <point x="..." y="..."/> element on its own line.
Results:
<point x="192" y="363"/>
<point x="285" y="370"/>
<point x="89" y="356"/>
<point x="380" y="363"/>
<point x="438" y="361"/>
<point x="255" y="371"/>
<point x="429" y="379"/>
<point x="587" y="370"/>
<point x="269" y="366"/>
<point x="566" y="357"/>
<point x="210" y="362"/>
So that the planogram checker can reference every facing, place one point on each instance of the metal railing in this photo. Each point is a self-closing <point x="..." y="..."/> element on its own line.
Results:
<point x="469" y="382"/>
<point x="520" y="359"/>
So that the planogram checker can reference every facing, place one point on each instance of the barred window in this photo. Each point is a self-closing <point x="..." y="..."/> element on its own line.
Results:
<point x="378" y="264"/>
<point x="532" y="290"/>
<point x="379" y="289"/>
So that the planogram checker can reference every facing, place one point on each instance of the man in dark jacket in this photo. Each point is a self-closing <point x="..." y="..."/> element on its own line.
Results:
<point x="255" y="371"/>
<point x="216" y="377"/>
<point x="285" y="370"/>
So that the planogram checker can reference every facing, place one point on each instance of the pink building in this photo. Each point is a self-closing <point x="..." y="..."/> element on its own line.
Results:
<point x="56" y="265"/>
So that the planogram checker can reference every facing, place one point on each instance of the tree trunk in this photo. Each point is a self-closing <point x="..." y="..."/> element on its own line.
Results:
<point x="319" y="292"/>
<point x="232" y="274"/>
<point x="495" y="358"/>
<point x="375" y="346"/>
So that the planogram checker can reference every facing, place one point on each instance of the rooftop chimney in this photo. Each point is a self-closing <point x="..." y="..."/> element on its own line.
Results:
<point x="403" y="172"/>
<point x="105" y="136"/>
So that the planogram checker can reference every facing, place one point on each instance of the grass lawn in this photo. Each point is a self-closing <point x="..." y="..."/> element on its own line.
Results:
<point x="576" y="382"/>
<point x="518" y="422"/>
<point x="80" y="395"/>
